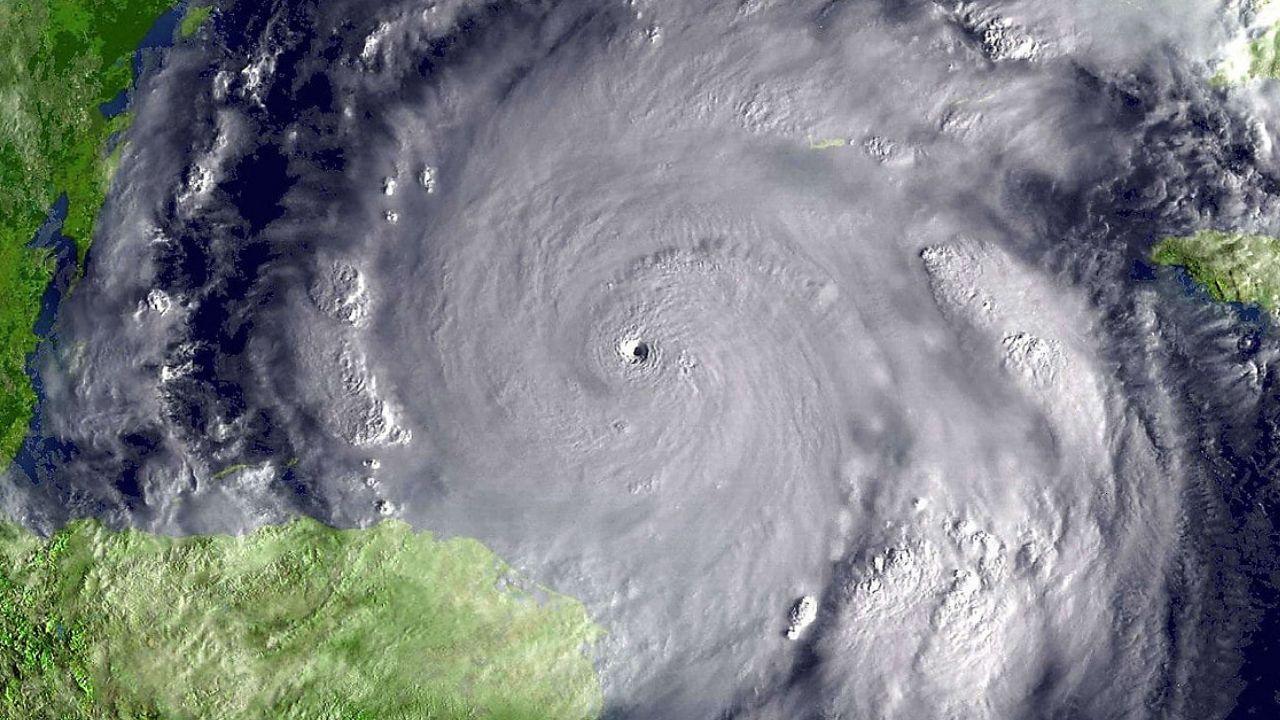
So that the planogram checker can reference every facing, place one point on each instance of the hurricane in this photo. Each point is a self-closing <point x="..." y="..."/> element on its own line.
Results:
<point x="701" y="314"/>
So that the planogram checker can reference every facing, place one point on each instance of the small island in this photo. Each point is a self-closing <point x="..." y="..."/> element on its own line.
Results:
<point x="1232" y="266"/>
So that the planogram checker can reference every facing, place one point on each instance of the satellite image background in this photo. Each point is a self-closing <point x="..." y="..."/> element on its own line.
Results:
<point x="691" y="310"/>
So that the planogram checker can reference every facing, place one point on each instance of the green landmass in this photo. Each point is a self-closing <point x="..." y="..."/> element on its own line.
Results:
<point x="229" y="470"/>
<point x="1262" y="60"/>
<point x="62" y="59"/>
<point x="827" y="143"/>
<point x="298" y="621"/>
<point x="1258" y="56"/>
<point x="1232" y="266"/>
<point x="194" y="19"/>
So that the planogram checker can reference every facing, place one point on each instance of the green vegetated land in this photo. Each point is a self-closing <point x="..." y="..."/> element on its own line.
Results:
<point x="1259" y="57"/>
<point x="1264" y="56"/>
<point x="1232" y="266"/>
<point x="61" y="60"/>
<point x="194" y="19"/>
<point x="299" y="621"/>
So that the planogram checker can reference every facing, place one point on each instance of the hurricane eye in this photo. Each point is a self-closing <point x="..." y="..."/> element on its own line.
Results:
<point x="635" y="351"/>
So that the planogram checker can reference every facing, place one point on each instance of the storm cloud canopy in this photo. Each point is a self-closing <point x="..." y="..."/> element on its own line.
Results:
<point x="691" y="310"/>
